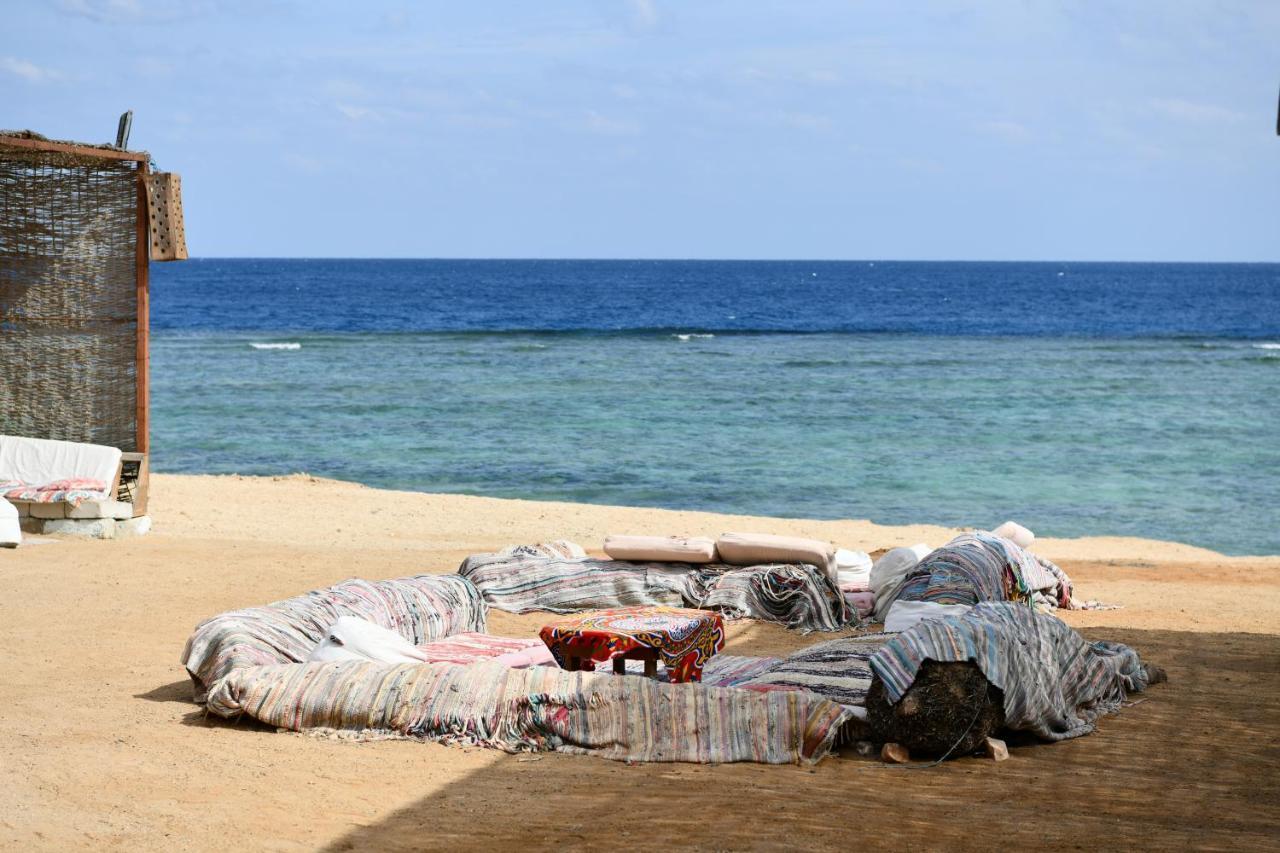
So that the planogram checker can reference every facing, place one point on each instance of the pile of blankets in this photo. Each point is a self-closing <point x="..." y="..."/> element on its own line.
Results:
<point x="976" y="567"/>
<point x="420" y="609"/>
<point x="470" y="688"/>
<point x="1056" y="683"/>
<point x="524" y="578"/>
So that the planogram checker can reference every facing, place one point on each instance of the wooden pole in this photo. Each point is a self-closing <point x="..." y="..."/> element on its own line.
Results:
<point x="143" y="421"/>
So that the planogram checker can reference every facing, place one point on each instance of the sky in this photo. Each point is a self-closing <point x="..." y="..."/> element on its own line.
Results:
<point x="1034" y="130"/>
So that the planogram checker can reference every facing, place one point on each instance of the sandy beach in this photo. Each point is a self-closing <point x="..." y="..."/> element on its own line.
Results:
<point x="101" y="747"/>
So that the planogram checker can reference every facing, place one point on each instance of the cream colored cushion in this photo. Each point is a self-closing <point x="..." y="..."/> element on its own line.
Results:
<point x="661" y="549"/>
<point x="753" y="549"/>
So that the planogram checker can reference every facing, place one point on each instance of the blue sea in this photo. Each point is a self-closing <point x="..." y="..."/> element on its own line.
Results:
<point x="1077" y="399"/>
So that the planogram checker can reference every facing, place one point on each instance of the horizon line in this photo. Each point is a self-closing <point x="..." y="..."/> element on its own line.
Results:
<point x="717" y="260"/>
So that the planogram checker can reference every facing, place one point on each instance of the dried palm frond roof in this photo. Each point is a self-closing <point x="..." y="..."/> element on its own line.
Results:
<point x="70" y="152"/>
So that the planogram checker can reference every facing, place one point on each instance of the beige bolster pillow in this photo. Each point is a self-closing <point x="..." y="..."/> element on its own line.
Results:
<point x="752" y="549"/>
<point x="661" y="549"/>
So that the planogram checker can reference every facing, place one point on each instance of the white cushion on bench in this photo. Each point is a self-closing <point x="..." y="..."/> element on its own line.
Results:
<point x="36" y="461"/>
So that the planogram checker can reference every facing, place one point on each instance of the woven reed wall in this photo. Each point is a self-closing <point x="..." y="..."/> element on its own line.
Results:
<point x="68" y="298"/>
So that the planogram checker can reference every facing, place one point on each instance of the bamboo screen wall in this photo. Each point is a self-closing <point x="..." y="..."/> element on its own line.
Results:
<point x="70" y="294"/>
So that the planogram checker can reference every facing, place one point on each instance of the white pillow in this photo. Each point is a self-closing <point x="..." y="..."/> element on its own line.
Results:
<point x="907" y="614"/>
<point x="353" y="638"/>
<point x="1015" y="533"/>
<point x="894" y="564"/>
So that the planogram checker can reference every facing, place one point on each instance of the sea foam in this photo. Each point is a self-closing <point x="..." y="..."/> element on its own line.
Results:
<point x="276" y="346"/>
<point x="691" y="337"/>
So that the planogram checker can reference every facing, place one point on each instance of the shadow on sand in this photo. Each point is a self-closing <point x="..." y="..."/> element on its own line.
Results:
<point x="1192" y="762"/>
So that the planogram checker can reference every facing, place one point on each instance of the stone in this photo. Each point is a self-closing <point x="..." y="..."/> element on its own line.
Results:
<point x="120" y="510"/>
<point x="57" y="509"/>
<point x="996" y="749"/>
<point x="139" y="526"/>
<point x="894" y="753"/>
<point x="97" y="528"/>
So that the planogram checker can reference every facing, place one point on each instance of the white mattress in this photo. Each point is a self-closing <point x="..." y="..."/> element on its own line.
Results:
<point x="36" y="461"/>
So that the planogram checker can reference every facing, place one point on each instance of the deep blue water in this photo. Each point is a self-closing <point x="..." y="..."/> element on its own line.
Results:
<point x="1044" y="299"/>
<point x="1079" y="399"/>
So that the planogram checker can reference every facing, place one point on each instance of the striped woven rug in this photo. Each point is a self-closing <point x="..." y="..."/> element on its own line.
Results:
<point x="1055" y="682"/>
<point x="839" y="670"/>
<point x="540" y="708"/>
<point x="798" y="596"/>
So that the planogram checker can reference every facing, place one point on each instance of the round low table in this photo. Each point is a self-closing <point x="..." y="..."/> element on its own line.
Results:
<point x="682" y="639"/>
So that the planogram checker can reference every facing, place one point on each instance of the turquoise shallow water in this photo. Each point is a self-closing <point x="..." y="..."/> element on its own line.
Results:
<point x="1170" y="438"/>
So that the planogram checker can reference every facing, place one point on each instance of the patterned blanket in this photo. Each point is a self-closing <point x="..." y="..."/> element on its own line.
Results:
<point x="798" y="596"/>
<point x="683" y="639"/>
<point x="1056" y="683"/>
<point x="976" y="567"/>
<point x="421" y="608"/>
<point x="74" y="492"/>
<point x="540" y="708"/>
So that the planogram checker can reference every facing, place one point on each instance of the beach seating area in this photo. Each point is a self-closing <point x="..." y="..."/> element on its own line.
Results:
<point x="71" y="488"/>
<point x="412" y="657"/>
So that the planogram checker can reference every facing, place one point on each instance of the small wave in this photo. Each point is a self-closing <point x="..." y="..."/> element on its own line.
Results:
<point x="815" y="362"/>
<point x="691" y="336"/>
<point x="276" y="346"/>
<point x="1266" y="346"/>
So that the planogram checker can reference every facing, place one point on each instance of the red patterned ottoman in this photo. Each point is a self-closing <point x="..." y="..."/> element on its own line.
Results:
<point x="684" y="639"/>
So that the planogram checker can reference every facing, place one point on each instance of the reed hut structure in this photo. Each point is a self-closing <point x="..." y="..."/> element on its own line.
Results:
<point x="79" y="225"/>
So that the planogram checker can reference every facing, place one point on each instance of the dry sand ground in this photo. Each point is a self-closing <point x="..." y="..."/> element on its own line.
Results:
<point x="101" y="747"/>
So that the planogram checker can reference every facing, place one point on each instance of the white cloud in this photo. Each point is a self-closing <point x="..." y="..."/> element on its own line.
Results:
<point x="644" y="15"/>
<point x="1194" y="111"/>
<point x="1010" y="131"/>
<point x="305" y="164"/>
<point x="104" y="11"/>
<point x="924" y="165"/>
<point x="28" y="70"/>
<point x="135" y="11"/>
<point x="357" y="113"/>
<point x="606" y="126"/>
<point x="806" y="121"/>
<point x="479" y="121"/>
